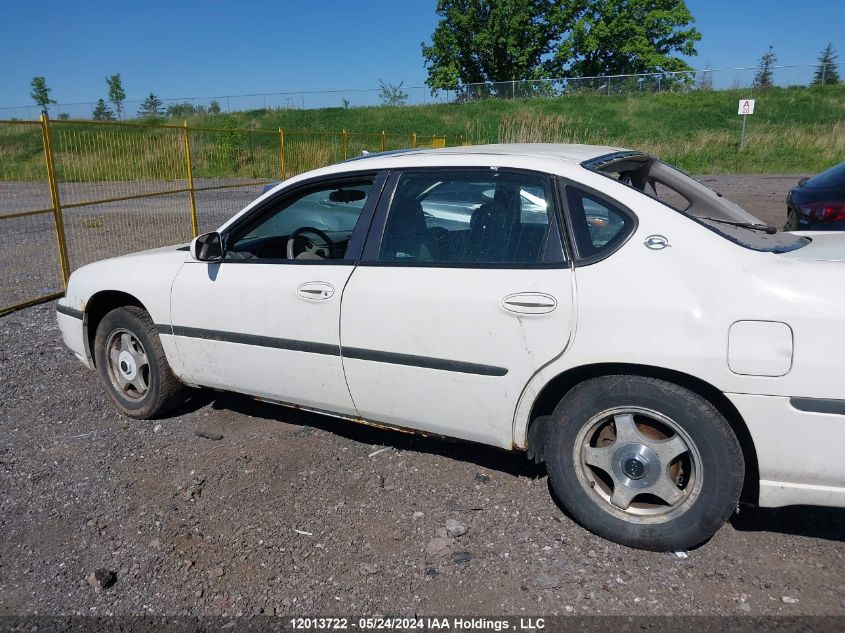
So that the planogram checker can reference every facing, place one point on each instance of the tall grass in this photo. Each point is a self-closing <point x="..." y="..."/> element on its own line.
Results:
<point x="525" y="127"/>
<point x="793" y="130"/>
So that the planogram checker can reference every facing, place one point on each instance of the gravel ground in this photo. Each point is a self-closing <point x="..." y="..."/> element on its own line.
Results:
<point x="763" y="195"/>
<point x="292" y="513"/>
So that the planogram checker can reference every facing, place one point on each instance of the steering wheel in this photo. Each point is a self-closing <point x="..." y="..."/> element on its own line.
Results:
<point x="333" y="250"/>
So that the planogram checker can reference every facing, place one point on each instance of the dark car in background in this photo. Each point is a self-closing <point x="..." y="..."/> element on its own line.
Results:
<point x="818" y="203"/>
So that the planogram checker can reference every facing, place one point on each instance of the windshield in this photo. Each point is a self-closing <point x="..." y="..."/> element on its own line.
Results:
<point x="688" y="196"/>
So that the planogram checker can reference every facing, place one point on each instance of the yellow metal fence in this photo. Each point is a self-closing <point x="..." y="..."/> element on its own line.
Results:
<point x="73" y="192"/>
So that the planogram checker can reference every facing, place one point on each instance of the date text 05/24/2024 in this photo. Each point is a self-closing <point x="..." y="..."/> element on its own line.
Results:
<point x="420" y="623"/>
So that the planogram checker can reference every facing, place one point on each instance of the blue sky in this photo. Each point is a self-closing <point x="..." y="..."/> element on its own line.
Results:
<point x="191" y="48"/>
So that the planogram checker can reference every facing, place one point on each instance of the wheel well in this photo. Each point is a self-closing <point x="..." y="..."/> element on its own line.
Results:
<point x="560" y="385"/>
<point x="99" y="306"/>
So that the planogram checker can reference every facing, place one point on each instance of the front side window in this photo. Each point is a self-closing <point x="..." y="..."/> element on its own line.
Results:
<point x="316" y="224"/>
<point x="465" y="216"/>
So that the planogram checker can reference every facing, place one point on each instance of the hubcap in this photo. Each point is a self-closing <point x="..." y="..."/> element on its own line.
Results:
<point x="638" y="464"/>
<point x="128" y="365"/>
<point x="634" y="467"/>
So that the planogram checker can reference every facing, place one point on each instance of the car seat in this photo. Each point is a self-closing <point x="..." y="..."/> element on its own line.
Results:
<point x="494" y="228"/>
<point x="406" y="236"/>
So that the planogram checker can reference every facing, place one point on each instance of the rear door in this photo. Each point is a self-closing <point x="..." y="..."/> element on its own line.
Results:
<point x="463" y="293"/>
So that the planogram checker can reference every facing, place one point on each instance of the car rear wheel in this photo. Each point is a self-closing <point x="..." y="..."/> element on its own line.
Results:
<point x="643" y="462"/>
<point x="133" y="366"/>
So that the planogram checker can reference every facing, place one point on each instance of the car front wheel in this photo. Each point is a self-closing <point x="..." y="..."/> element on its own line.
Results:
<point x="133" y="366"/>
<point x="643" y="462"/>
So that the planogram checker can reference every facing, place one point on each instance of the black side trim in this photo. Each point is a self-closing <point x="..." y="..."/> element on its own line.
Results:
<point x="468" y="265"/>
<point x="76" y="314"/>
<point x="333" y="350"/>
<point x="819" y="405"/>
<point x="423" y="361"/>
<point x="261" y="341"/>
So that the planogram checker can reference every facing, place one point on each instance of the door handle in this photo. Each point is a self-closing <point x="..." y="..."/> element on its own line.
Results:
<point x="315" y="290"/>
<point x="529" y="303"/>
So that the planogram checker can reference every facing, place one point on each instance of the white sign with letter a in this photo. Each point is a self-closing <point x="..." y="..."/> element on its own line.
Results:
<point x="746" y="106"/>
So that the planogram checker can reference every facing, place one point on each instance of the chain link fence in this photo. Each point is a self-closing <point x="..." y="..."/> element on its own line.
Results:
<point x="703" y="79"/>
<point x="74" y="192"/>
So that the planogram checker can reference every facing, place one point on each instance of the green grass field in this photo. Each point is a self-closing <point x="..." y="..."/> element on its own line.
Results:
<point x="794" y="130"/>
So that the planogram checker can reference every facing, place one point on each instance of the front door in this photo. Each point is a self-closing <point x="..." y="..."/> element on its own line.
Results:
<point x="265" y="320"/>
<point x="461" y="299"/>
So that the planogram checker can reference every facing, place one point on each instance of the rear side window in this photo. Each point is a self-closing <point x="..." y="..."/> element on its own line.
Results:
<point x="471" y="216"/>
<point x="598" y="226"/>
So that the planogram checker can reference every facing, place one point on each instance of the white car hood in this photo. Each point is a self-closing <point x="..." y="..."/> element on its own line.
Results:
<point x="153" y="251"/>
<point x="827" y="246"/>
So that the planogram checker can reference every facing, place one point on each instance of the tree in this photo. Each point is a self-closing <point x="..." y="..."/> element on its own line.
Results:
<point x="488" y="40"/>
<point x="504" y="40"/>
<point x="102" y="112"/>
<point x="181" y="110"/>
<point x="64" y="116"/>
<point x="41" y="93"/>
<point x="117" y="95"/>
<point x="765" y="70"/>
<point x="618" y="37"/>
<point x="151" y="107"/>
<point x="827" y="71"/>
<point x="391" y="94"/>
<point x="214" y="107"/>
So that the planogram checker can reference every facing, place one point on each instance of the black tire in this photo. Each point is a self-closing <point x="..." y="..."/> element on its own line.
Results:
<point x="163" y="390"/>
<point x="713" y="463"/>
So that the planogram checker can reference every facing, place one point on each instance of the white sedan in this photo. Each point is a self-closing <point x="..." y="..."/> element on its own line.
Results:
<point x="660" y="349"/>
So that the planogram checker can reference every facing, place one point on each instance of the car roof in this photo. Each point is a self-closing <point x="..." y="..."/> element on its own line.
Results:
<point x="558" y="158"/>
<point x="570" y="152"/>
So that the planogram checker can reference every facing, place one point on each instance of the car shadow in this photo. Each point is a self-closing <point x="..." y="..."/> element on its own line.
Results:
<point x="487" y="457"/>
<point x="811" y="521"/>
<point x="196" y="400"/>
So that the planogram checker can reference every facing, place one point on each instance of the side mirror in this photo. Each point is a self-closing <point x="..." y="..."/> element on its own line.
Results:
<point x="207" y="247"/>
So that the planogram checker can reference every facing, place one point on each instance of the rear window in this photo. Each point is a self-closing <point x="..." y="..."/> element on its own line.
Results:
<point x="828" y="179"/>
<point x="684" y="194"/>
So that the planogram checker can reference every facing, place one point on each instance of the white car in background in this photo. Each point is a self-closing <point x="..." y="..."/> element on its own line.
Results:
<point x="655" y="345"/>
